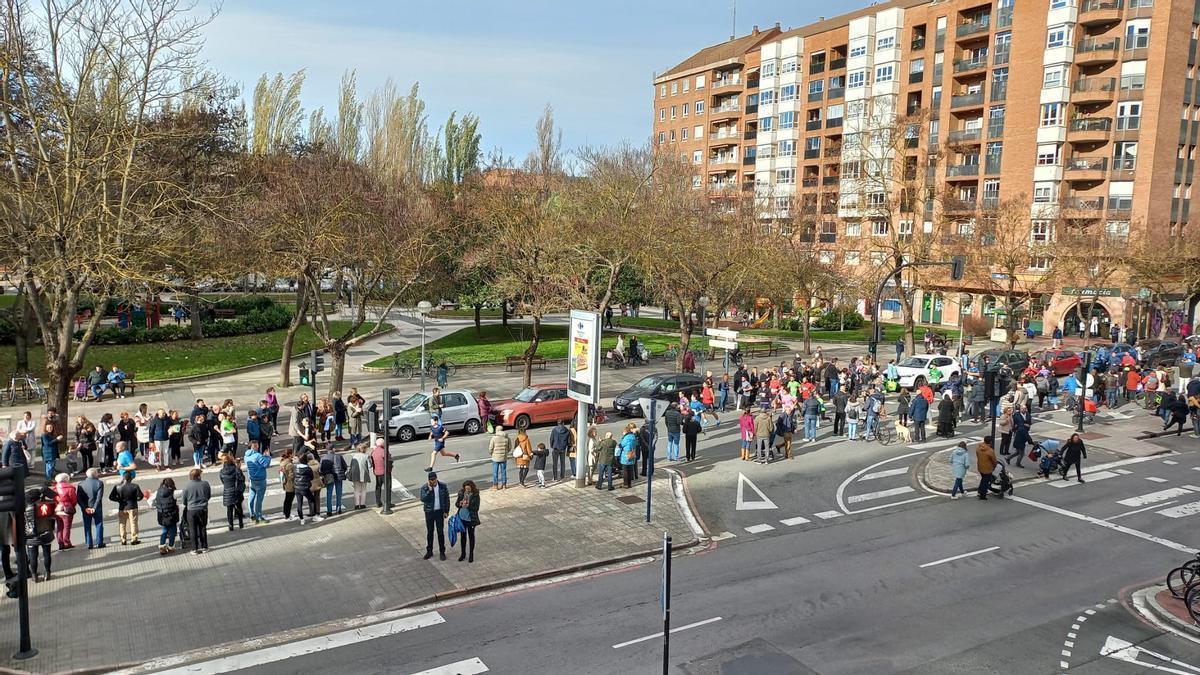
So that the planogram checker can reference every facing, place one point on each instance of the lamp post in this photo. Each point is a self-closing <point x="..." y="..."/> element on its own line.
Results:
<point x="424" y="307"/>
<point x="703" y="303"/>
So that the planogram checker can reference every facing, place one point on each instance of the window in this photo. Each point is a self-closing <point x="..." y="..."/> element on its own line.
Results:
<point x="857" y="79"/>
<point x="787" y="119"/>
<point x="685" y="107"/>
<point x="765" y="150"/>
<point x="674" y="88"/>
<point x="1058" y="36"/>
<point x="851" y="257"/>
<point x="879" y="228"/>
<point x="1137" y="34"/>
<point x="672" y="135"/>
<point x="787" y="148"/>
<point x="1055" y="76"/>
<point x="1129" y="115"/>
<point x="767" y="96"/>
<point x="785" y="176"/>
<point x="884" y="73"/>
<point x="1041" y="232"/>
<point x="904" y="228"/>
<point x="816" y="86"/>
<point x="662" y="114"/>
<point x="856" y="110"/>
<point x="812" y="143"/>
<point x="699" y="108"/>
<point x="1125" y="156"/>
<point x="697" y="156"/>
<point x="768" y="69"/>
<point x="1117" y="229"/>
<point x="686" y="85"/>
<point x="699" y="81"/>
<point x="1048" y="154"/>
<point x="916" y="66"/>
<point x="674" y="111"/>
<point x="787" y="92"/>
<point x="695" y="182"/>
<point x="766" y="124"/>
<point x="1052" y="114"/>
<point x="789" y="66"/>
<point x="885" y="42"/>
<point x="853" y="228"/>
<point x="878" y="258"/>
<point x="662" y="137"/>
<point x="662" y="91"/>
<point x="834" y="112"/>
<point x="826" y="257"/>
<point x="683" y="133"/>
<point x="1058" y="4"/>
<point x="1043" y="193"/>
<point x="858" y="47"/>
<point x="1040" y="262"/>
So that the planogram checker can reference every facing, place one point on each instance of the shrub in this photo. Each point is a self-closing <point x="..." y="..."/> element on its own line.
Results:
<point x="270" y="317"/>
<point x="840" y="317"/>
<point x="977" y="326"/>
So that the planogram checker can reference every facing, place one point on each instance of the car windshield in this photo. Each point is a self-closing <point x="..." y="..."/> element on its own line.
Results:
<point x="527" y="394"/>
<point x="914" y="362"/>
<point x="648" y="382"/>
<point x="415" y="401"/>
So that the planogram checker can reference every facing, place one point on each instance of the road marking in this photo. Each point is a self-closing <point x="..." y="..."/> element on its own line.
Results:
<point x="880" y="494"/>
<point x="795" y="521"/>
<point x="942" y="444"/>
<point x="1193" y="488"/>
<point x="405" y="495"/>
<point x="959" y="557"/>
<point x="1170" y="462"/>
<point x="891" y="504"/>
<point x="467" y="667"/>
<point x="884" y="474"/>
<point x="1123" y="650"/>
<point x="1181" y="511"/>
<point x="1103" y="523"/>
<point x="1156" y="479"/>
<point x="842" y="488"/>
<point x="827" y="515"/>
<point x="310" y="646"/>
<point x="723" y="535"/>
<point x="1101" y="475"/>
<point x="1124" y="472"/>
<point x="673" y="630"/>
<point x="1142" y="510"/>
<point x="743" y="505"/>
<point x="1153" y="497"/>
<point x="1061" y="424"/>
<point x="761" y="527"/>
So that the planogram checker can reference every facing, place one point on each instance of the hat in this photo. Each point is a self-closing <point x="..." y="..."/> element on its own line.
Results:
<point x="431" y="474"/>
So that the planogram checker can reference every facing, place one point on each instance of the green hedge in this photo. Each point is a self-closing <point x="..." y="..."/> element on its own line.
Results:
<point x="270" y="317"/>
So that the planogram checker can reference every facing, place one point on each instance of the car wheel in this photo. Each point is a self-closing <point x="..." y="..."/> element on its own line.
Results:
<point x="522" y="422"/>
<point x="472" y="426"/>
<point x="406" y="434"/>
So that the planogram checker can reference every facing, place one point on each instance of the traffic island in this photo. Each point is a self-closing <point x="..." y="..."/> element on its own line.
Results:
<point x="1157" y="605"/>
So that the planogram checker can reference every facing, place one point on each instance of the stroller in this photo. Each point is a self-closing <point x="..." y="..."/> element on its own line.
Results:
<point x="1001" y="484"/>
<point x="1049" y="458"/>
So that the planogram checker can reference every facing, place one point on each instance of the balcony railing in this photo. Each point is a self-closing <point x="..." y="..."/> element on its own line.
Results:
<point x="1001" y="55"/>
<point x="1090" y="45"/>
<point x="991" y="165"/>
<point x="963" y="100"/>
<point x="726" y="82"/>
<point x="958" y="205"/>
<point x="833" y="123"/>
<point x="1095" y="84"/>
<point x="964" y="135"/>
<point x="812" y="125"/>
<point x="999" y="90"/>
<point x="812" y="153"/>
<point x="717" y="160"/>
<point x="916" y="77"/>
<point x="726" y="133"/>
<point x="981" y="26"/>
<point x="831" y="180"/>
<point x="837" y="64"/>
<point x="917" y="44"/>
<point x="837" y="92"/>
<point x="750" y="135"/>
<point x="1086" y="164"/>
<point x="1083" y="203"/>
<point x="1129" y="123"/>
<point x="966" y="65"/>
<point x="814" y="96"/>
<point x="1099" y="5"/>
<point x="809" y="183"/>
<point x="722" y="109"/>
<point x="816" y="67"/>
<point x="1126" y="164"/>
<point x="1091" y="124"/>
<point x="960" y="170"/>
<point x="1004" y="17"/>
<point x="996" y="129"/>
<point x="991" y="200"/>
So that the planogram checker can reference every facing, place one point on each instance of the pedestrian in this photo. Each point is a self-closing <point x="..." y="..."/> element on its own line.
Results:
<point x="468" y="515"/>
<point x="853" y="410"/>
<point x="340" y="416"/>
<point x="198" y="437"/>
<point x="127" y="495"/>
<point x="812" y="410"/>
<point x="287" y="480"/>
<point x="315" y="487"/>
<point x="358" y="472"/>
<point x="746" y="429"/>
<point x="485" y="410"/>
<point x="438" y="434"/>
<point x="1020" y="435"/>
<point x="168" y="515"/>
<point x="539" y="463"/>
<point x="233" y="490"/>
<point x="141" y="420"/>
<point x="628" y="453"/>
<point x="126" y="465"/>
<point x="899" y="348"/>
<point x="947" y="416"/>
<point x="1005" y="425"/>
<point x="91" y="501"/>
<point x="301" y="430"/>
<point x="257" y="463"/>
<point x="160" y="435"/>
<point x="763" y="425"/>
<point x="1178" y="410"/>
<point x="175" y="437"/>
<point x="606" y="450"/>
<point x="560" y="441"/>
<point x="39" y="531"/>
<point x="66" y="498"/>
<point x="272" y="406"/>
<point x="691" y="429"/>
<point x="195" y="501"/>
<point x="959" y="463"/>
<point x="435" y="500"/>
<point x="673" y="420"/>
<point x="106" y="433"/>
<point x="723" y="392"/>
<point x="333" y="470"/>
<point x="645" y="445"/>
<point x="86" y="438"/>
<point x="499" y="447"/>
<point x="523" y="453"/>
<point x="302" y="482"/>
<point x="985" y="464"/>
<point x="50" y="442"/>
<point x="228" y="431"/>
<point x="379" y="460"/>
<point x="357" y="405"/>
<point x="1074" y="453"/>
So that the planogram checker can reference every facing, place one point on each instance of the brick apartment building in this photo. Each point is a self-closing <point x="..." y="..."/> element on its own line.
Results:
<point x="1088" y="110"/>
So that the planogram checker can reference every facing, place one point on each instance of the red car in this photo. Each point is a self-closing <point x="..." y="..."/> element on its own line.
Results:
<point x="1061" y="361"/>
<point x="536" y="404"/>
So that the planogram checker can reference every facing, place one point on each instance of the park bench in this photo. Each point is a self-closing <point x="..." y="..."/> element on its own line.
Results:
<point x="768" y="349"/>
<point x="510" y="361"/>
<point x="130" y="386"/>
<point x="81" y="317"/>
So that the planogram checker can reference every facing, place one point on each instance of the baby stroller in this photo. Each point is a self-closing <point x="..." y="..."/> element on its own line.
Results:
<point x="1002" y="483"/>
<point x="1049" y="458"/>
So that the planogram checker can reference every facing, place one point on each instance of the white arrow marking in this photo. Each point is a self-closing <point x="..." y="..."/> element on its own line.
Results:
<point x="1121" y="650"/>
<point x="743" y="505"/>
<point x="405" y="495"/>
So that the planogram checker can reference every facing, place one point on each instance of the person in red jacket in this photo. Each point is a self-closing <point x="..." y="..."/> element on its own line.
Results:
<point x="65" y="500"/>
<point x="927" y="392"/>
<point x="378" y="461"/>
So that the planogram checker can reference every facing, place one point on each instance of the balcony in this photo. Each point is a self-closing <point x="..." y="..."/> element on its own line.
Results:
<point x="1094" y="52"/>
<point x="837" y="92"/>
<point x="966" y="30"/>
<point x="1083" y="207"/>
<point x="724" y="111"/>
<point x="1089" y="130"/>
<point x="967" y="100"/>
<point x="837" y="64"/>
<point x="814" y="96"/>
<point x="812" y="125"/>
<point x="812" y="153"/>
<point x="1086" y="168"/>
<point x="1099" y="12"/>
<point x="833" y="151"/>
<point x="965" y="136"/>
<point x="727" y="83"/>
<point x="964" y="66"/>
<point x="1094" y="90"/>
<point x="725" y="137"/>
<point x="831" y="180"/>
<point x="959" y="206"/>
<point x="831" y="207"/>
<point x="750" y="135"/>
<point x="722" y="160"/>
<point x="809" y="182"/>
<point x="962" y="171"/>
<point x="816" y="67"/>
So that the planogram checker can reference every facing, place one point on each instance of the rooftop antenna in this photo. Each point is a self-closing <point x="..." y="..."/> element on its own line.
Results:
<point x="733" y="7"/>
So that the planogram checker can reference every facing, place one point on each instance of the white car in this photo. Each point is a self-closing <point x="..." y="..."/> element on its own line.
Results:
<point x="914" y="370"/>
<point x="460" y="411"/>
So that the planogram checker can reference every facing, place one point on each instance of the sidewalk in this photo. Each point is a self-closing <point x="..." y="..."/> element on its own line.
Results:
<point x="124" y="605"/>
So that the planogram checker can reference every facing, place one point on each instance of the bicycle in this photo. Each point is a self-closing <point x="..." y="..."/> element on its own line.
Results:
<point x="24" y="387"/>
<point x="1181" y="579"/>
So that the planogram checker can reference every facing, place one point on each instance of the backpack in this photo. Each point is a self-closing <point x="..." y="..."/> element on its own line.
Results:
<point x="874" y="406"/>
<point x="852" y="413"/>
<point x="1043" y="386"/>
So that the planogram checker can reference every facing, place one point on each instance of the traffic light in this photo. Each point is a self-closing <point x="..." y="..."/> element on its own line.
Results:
<point x="391" y="402"/>
<point x="957" y="263"/>
<point x="305" y="376"/>
<point x="318" y="361"/>
<point x="11" y="490"/>
<point x="372" y="412"/>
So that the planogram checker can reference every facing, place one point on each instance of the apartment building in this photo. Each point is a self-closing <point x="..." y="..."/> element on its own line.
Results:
<point x="1087" y="110"/>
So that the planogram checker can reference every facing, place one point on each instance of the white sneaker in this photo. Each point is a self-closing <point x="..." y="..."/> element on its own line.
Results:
<point x="318" y="518"/>
<point x="305" y="521"/>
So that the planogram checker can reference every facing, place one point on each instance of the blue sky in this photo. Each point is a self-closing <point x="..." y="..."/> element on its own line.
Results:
<point x="592" y="61"/>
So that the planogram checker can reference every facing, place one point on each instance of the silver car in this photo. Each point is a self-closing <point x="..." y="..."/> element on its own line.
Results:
<point x="460" y="411"/>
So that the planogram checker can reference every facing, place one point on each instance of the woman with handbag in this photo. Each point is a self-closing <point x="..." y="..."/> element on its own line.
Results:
<point x="168" y="515"/>
<point x="107" y="433"/>
<point x="85" y="442"/>
<point x="141" y="421"/>
<point x="522" y="453"/>
<point x="468" y="515"/>
<point x="65" y="500"/>
<point x="233" y="490"/>
<point x="228" y="434"/>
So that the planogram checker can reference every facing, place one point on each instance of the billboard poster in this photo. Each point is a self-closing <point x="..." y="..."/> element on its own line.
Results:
<point x="583" y="357"/>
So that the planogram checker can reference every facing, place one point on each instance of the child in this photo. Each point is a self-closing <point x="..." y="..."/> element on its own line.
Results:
<point x="539" y="463"/>
<point x="852" y="410"/>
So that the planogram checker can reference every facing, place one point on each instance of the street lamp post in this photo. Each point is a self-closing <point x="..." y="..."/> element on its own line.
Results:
<point x="424" y="307"/>
<point x="703" y="303"/>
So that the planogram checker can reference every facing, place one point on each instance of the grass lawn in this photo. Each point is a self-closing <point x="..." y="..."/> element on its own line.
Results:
<point x="891" y="331"/>
<point x="165" y="360"/>
<point x="463" y="347"/>
<point x="465" y="312"/>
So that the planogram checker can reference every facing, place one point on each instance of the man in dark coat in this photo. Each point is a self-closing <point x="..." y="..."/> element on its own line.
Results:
<point x="435" y="499"/>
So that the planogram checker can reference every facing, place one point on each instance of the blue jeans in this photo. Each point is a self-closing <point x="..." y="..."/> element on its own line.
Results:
<point x="672" y="445"/>
<point x="167" y="538"/>
<point x="49" y="460"/>
<point x="499" y="473"/>
<point x="570" y="460"/>
<point x="852" y="432"/>
<point x="721" y="399"/>
<point x="606" y="473"/>
<point x="333" y="490"/>
<point x="93" y="521"/>
<point x="258" y="491"/>
<point x="98" y="389"/>
<point x="958" y="487"/>
<point x="810" y="427"/>
<point x="198" y="456"/>
<point x="833" y="387"/>
<point x="872" y="421"/>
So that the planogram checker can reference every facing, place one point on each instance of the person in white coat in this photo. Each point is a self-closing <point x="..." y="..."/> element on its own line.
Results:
<point x="360" y="474"/>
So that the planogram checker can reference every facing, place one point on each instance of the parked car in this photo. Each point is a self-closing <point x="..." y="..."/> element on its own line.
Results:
<point x="914" y="370"/>
<point x="663" y="386"/>
<point x="536" y="404"/>
<point x="1164" y="353"/>
<point x="1015" y="359"/>
<point x="1061" y="361"/>
<point x="460" y="412"/>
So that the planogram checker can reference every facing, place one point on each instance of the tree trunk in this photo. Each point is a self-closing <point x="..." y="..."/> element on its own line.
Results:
<point x="196" y="315"/>
<point x="504" y="313"/>
<point x="685" y="335"/>
<point x="478" y="327"/>
<point x="59" y="386"/>
<point x="22" y="317"/>
<point x="289" y="338"/>
<point x="337" y="365"/>
<point x="534" y="340"/>
<point x="806" y="327"/>
<point x="906" y="310"/>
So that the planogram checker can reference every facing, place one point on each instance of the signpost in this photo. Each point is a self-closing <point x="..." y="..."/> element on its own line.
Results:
<point x="723" y="338"/>
<point x="583" y="381"/>
<point x="666" y="602"/>
<point x="650" y="411"/>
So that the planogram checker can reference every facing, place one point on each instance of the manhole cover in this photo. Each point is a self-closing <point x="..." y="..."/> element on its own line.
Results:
<point x="630" y="499"/>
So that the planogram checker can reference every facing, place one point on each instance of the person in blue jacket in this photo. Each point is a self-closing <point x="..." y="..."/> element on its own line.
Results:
<point x="50" y="441"/>
<point x="435" y="499"/>
<point x="256" y="472"/>
<point x="627" y="453"/>
<point x="918" y="412"/>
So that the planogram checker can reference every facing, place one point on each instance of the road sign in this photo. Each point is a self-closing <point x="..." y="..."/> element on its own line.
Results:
<point x="723" y="344"/>
<point x="1123" y="650"/>
<point x="723" y="333"/>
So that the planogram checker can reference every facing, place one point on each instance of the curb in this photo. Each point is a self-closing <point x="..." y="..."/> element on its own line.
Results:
<point x="1146" y="604"/>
